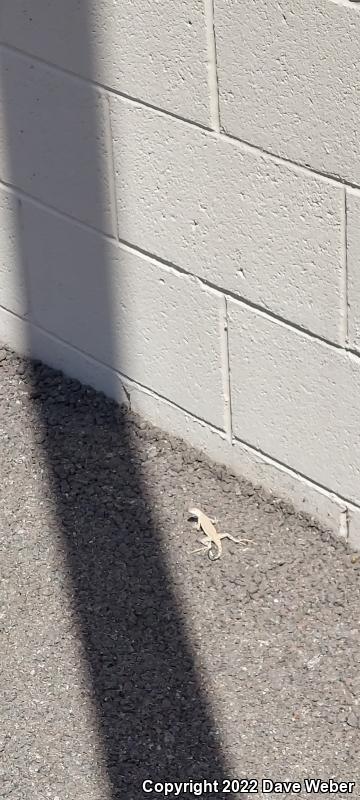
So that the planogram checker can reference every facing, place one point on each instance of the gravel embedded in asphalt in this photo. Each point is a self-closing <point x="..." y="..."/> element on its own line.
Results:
<point x="125" y="656"/>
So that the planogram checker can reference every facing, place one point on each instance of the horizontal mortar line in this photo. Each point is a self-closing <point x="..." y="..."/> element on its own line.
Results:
<point x="266" y="458"/>
<point x="28" y="322"/>
<point x="121" y="375"/>
<point x="105" y="87"/>
<point x="127" y="246"/>
<point x="22" y="194"/>
<point x="329" y="177"/>
<point x="222" y="134"/>
<point x="157" y="396"/>
<point x="249" y="304"/>
<point x="300" y="476"/>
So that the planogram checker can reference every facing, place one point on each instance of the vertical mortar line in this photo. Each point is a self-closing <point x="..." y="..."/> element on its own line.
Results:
<point x="28" y="314"/>
<point x="225" y="353"/>
<point x="344" y="291"/>
<point x="344" y="524"/>
<point x="213" y="82"/>
<point x="112" y="177"/>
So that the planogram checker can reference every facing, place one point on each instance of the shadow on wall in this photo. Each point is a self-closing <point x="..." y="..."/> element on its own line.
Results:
<point x="152" y="715"/>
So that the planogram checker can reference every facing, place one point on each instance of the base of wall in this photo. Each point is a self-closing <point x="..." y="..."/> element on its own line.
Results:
<point x="331" y="511"/>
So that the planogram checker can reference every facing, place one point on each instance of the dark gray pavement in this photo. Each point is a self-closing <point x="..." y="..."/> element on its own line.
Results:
<point x="126" y="657"/>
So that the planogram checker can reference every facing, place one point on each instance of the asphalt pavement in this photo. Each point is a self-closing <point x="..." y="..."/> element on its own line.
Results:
<point x="126" y="657"/>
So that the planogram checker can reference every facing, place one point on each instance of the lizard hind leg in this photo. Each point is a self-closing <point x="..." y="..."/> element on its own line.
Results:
<point x="233" y="539"/>
<point x="206" y="546"/>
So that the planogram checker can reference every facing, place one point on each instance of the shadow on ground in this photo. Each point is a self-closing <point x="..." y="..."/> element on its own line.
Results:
<point x="152" y="713"/>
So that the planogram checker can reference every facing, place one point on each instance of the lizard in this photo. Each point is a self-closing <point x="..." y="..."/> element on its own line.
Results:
<point x="212" y="536"/>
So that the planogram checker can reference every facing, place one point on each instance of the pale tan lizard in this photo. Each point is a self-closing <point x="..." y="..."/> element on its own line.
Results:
<point x="212" y="537"/>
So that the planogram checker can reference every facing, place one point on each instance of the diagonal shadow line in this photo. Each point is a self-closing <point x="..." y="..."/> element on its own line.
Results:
<point x="153" y="716"/>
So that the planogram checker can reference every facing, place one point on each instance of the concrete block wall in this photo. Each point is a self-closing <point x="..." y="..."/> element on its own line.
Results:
<point x="180" y="223"/>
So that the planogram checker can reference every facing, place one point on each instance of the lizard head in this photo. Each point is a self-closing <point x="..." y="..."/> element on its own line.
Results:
<point x="194" y="513"/>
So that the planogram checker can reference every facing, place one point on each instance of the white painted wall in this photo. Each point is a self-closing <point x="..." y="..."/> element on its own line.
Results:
<point x="180" y="223"/>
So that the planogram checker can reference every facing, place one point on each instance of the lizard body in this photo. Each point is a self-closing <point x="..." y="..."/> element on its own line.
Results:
<point x="212" y="536"/>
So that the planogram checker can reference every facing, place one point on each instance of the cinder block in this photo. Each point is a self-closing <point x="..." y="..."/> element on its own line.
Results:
<point x="353" y="264"/>
<point x="154" y="51"/>
<point x="14" y="332"/>
<point x="54" y="142"/>
<point x="354" y="527"/>
<point x="12" y="257"/>
<point x="154" y="326"/>
<point x="289" y="80"/>
<point x="296" y="400"/>
<point x="261" y="230"/>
